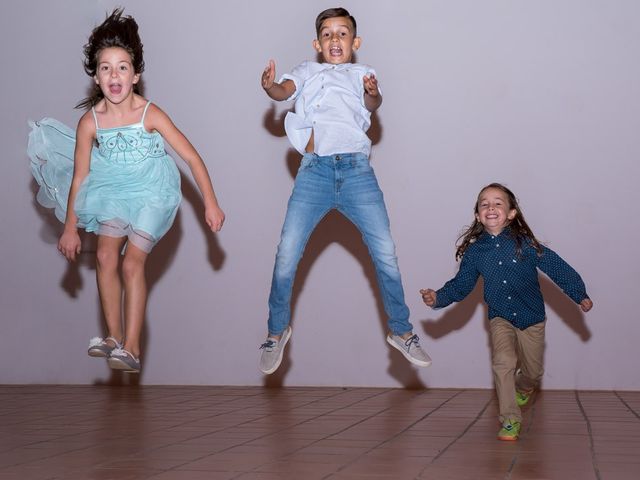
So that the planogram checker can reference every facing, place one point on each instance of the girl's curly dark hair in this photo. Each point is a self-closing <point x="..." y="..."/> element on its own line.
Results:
<point x="518" y="227"/>
<point x="117" y="30"/>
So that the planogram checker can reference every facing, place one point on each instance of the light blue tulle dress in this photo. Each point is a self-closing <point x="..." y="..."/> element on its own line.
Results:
<point x="133" y="185"/>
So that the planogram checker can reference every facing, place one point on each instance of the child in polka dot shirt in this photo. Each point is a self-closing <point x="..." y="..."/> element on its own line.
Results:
<point x="500" y="247"/>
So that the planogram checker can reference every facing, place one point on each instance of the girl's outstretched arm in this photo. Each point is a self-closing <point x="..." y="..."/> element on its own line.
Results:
<point x="563" y="275"/>
<point x="69" y="243"/>
<point x="277" y="91"/>
<point x="156" y="119"/>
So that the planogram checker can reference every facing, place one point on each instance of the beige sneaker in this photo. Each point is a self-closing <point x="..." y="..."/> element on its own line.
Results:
<point x="272" y="351"/>
<point x="411" y="349"/>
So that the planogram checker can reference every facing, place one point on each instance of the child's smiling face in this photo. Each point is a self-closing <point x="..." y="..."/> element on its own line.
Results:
<point x="494" y="211"/>
<point x="336" y="40"/>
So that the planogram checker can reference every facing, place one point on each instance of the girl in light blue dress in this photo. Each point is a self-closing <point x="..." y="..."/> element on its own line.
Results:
<point x="113" y="177"/>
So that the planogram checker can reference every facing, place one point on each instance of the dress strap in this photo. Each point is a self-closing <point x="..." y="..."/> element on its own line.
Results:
<point x="144" y="113"/>
<point x="95" y="118"/>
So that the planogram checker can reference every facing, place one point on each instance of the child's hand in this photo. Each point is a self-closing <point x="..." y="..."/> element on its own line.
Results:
<point x="214" y="216"/>
<point x="371" y="85"/>
<point x="428" y="297"/>
<point x="586" y="304"/>
<point x="269" y="75"/>
<point x="69" y="244"/>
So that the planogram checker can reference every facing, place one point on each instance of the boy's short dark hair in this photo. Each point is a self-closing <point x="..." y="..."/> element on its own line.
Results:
<point x="332" y="13"/>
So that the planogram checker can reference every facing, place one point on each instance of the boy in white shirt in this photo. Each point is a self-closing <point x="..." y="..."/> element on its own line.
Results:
<point x="334" y="101"/>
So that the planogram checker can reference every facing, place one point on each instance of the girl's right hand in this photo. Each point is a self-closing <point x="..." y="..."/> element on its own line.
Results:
<point x="69" y="244"/>
<point x="428" y="297"/>
<point x="269" y="75"/>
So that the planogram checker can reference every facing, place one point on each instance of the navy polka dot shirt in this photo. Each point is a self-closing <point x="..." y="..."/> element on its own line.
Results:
<point x="511" y="288"/>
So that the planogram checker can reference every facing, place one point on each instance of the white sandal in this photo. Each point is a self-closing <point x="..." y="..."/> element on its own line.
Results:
<point x="99" y="347"/>
<point x="121" y="359"/>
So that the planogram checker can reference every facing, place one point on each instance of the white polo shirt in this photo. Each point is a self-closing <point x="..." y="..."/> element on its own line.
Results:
<point x="330" y="101"/>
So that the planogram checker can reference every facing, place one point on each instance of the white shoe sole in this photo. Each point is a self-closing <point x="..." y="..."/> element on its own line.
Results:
<point x="116" y="364"/>
<point x="406" y="355"/>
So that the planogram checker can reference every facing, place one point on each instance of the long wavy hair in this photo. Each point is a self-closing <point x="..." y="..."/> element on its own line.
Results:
<point x="117" y="30"/>
<point x="518" y="228"/>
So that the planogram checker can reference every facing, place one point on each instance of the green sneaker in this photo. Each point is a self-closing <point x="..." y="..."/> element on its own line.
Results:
<point x="509" y="431"/>
<point x="522" y="398"/>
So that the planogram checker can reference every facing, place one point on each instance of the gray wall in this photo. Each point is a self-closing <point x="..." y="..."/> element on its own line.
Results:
<point x="543" y="96"/>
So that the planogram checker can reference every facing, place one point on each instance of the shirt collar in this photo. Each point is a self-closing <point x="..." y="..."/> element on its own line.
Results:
<point x="505" y="233"/>
<point x="339" y="66"/>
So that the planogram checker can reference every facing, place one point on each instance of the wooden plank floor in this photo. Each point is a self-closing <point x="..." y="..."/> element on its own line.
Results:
<point x="221" y="433"/>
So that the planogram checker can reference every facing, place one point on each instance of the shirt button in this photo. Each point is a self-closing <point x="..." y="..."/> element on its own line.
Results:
<point x="497" y="244"/>
<point x="500" y="262"/>
<point x="514" y="260"/>
<point x="515" y="314"/>
<point x="504" y="281"/>
<point x="508" y="298"/>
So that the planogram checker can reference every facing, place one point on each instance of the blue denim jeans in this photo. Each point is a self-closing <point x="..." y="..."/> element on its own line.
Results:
<point x="347" y="183"/>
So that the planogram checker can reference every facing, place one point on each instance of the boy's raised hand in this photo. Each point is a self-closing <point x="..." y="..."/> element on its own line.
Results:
<point x="371" y="85"/>
<point x="428" y="297"/>
<point x="269" y="75"/>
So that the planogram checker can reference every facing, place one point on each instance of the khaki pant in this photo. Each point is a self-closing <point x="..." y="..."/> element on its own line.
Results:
<point x="514" y="349"/>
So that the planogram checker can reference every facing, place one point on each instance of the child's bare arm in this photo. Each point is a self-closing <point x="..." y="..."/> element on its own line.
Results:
<point x="277" y="91"/>
<point x="428" y="297"/>
<point x="158" y="120"/>
<point x="69" y="243"/>
<point x="372" y="95"/>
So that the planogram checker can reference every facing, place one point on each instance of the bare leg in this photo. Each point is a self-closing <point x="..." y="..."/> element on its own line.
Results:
<point x="109" y="285"/>
<point x="135" y="296"/>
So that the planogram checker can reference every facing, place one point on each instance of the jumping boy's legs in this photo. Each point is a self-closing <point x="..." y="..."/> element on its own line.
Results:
<point x="345" y="182"/>
<point x="310" y="201"/>
<point x="360" y="199"/>
<point x="300" y="221"/>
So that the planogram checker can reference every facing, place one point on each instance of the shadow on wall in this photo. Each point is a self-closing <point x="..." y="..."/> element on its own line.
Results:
<point x="565" y="308"/>
<point x="456" y="316"/>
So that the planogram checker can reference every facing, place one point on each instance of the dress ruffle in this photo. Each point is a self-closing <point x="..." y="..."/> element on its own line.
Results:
<point x="132" y="180"/>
